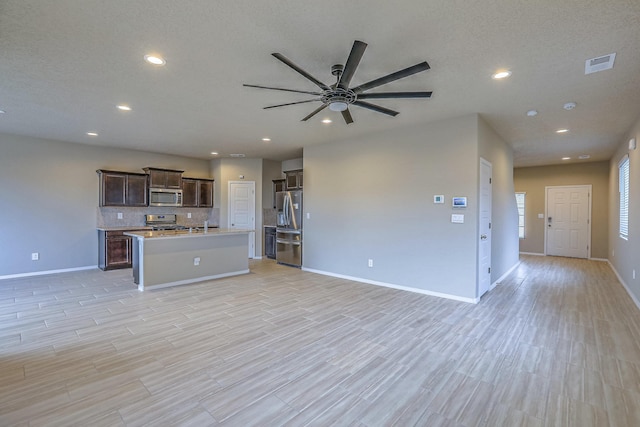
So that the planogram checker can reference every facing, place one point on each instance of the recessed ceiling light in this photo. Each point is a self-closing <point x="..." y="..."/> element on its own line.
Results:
<point x="566" y="158"/>
<point x="327" y="121"/>
<point x="92" y="134"/>
<point x="532" y="113"/>
<point x="123" y="107"/>
<point x="502" y="74"/>
<point x="214" y="153"/>
<point x="569" y="106"/>
<point x="584" y="156"/>
<point x="266" y="139"/>
<point x="155" y="59"/>
<point x="562" y="131"/>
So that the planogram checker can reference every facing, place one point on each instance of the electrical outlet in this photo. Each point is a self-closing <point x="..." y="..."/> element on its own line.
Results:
<point x="189" y="215"/>
<point x="119" y="215"/>
<point x="196" y="261"/>
<point x="35" y="256"/>
<point x="634" y="273"/>
<point x="370" y="262"/>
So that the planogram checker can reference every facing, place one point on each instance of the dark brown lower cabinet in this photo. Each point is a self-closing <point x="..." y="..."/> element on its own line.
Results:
<point x="114" y="249"/>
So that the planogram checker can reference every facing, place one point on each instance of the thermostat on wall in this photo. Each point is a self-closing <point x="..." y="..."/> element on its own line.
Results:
<point x="438" y="199"/>
<point x="459" y="202"/>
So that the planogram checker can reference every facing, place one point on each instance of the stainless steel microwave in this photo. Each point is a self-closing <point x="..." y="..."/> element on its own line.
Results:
<point x="165" y="197"/>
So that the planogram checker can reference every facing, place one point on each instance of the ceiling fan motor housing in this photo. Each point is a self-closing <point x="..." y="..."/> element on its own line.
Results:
<point x="337" y="94"/>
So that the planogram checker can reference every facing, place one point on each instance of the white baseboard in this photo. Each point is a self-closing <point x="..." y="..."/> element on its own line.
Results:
<point x="42" y="273"/>
<point x="392" y="286"/>
<point x="633" y="298"/>
<point x="504" y="276"/>
<point x="190" y="281"/>
<point x="532" y="253"/>
<point x="599" y="259"/>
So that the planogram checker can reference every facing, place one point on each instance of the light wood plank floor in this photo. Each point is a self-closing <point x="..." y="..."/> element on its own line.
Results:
<point x="556" y="344"/>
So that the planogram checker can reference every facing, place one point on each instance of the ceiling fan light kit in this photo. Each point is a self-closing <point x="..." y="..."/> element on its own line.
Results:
<point x="339" y="96"/>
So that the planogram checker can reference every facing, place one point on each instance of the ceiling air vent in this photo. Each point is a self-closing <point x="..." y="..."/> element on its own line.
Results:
<point x="600" y="63"/>
<point x="236" y="155"/>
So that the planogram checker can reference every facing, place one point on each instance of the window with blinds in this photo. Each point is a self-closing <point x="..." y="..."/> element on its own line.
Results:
<point x="623" y="186"/>
<point x="520" y="204"/>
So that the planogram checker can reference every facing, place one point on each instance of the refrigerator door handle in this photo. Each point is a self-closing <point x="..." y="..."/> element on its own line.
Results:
<point x="285" y="209"/>
<point x="292" y="214"/>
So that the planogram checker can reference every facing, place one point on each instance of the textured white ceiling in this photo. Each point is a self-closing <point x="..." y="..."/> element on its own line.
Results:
<point x="65" y="64"/>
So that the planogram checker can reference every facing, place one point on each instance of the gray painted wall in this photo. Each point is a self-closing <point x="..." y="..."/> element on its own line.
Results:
<point x="292" y="165"/>
<point x="372" y="197"/>
<point x="271" y="170"/>
<point x="230" y="169"/>
<point x="624" y="255"/>
<point x="49" y="192"/>
<point x="504" y="212"/>
<point x="534" y="180"/>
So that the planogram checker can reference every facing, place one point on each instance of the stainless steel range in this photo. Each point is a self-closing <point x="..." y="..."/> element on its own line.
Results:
<point x="162" y="222"/>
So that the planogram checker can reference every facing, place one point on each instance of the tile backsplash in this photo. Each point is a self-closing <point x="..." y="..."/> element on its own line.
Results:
<point x="108" y="216"/>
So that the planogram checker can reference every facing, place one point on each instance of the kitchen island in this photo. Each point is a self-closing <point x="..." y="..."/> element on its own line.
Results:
<point x="179" y="257"/>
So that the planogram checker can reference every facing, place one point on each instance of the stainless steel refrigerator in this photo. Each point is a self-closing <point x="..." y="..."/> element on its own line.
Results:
<point x="289" y="228"/>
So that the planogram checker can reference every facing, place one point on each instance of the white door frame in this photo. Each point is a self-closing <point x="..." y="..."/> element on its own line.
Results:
<point x="546" y="213"/>
<point x="252" y="235"/>
<point x="484" y="229"/>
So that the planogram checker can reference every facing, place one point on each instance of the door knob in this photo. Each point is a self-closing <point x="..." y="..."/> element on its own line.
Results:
<point x="483" y="237"/>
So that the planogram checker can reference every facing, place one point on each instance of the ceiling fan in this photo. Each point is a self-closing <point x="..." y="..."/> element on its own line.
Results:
<point x="339" y="96"/>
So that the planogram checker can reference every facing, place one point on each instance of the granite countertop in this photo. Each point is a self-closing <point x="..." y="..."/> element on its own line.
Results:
<point x="125" y="228"/>
<point x="174" y="234"/>
<point x="147" y="227"/>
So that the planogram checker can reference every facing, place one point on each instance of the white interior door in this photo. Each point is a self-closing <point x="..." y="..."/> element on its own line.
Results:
<point x="568" y="230"/>
<point x="242" y="209"/>
<point x="484" y="239"/>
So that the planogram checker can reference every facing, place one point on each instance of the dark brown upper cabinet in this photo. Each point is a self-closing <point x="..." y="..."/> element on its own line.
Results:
<point x="122" y="188"/>
<point x="278" y="185"/>
<point x="164" y="178"/>
<point x="197" y="192"/>
<point x="294" y="180"/>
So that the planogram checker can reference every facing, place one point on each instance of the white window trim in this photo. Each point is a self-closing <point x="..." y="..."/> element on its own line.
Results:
<point x="623" y="212"/>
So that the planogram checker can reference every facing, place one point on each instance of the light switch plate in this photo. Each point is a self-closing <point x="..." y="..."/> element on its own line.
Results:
<point x="438" y="198"/>
<point x="457" y="218"/>
<point x="540" y="216"/>
<point x="119" y="215"/>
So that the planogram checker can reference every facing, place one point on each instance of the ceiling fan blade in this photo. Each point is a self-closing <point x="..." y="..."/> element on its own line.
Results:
<point x="291" y="103"/>
<point x="301" y="71"/>
<point x="397" y="95"/>
<point x="352" y="63"/>
<point x="314" y="112"/>
<point x="376" y="108"/>
<point x="286" y="90"/>
<point x="423" y="66"/>
<point x="346" y="114"/>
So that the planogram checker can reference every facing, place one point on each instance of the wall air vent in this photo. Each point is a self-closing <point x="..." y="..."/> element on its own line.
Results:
<point x="600" y="63"/>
